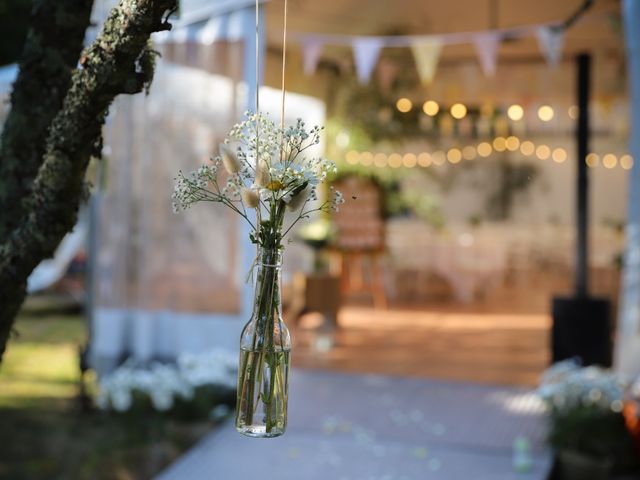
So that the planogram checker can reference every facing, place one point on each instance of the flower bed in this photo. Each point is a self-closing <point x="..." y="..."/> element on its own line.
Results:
<point x="192" y="387"/>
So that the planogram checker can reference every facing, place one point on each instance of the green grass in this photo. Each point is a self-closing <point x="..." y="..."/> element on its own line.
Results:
<point x="44" y="434"/>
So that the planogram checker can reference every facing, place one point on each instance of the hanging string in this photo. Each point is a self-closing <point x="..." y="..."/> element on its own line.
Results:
<point x="284" y="63"/>
<point x="257" y="83"/>
<point x="257" y="90"/>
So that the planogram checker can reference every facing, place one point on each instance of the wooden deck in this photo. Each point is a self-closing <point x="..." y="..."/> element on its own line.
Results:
<point x="453" y="343"/>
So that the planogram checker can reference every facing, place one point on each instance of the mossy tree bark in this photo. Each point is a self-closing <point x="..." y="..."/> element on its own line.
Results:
<point x="44" y="159"/>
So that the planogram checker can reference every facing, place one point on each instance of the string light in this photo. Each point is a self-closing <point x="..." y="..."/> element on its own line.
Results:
<point x="409" y="160"/>
<point x="395" y="160"/>
<point x="424" y="159"/>
<point x="366" y="158"/>
<point x="609" y="160"/>
<point x="469" y="153"/>
<point x="527" y="148"/>
<point x="573" y="112"/>
<point x="380" y="160"/>
<point x="438" y="157"/>
<point x="515" y="112"/>
<point x="545" y="113"/>
<point x="543" y="152"/>
<point x="454" y="155"/>
<point x="431" y="108"/>
<point x="484" y="149"/>
<point x="592" y="160"/>
<point x="458" y="111"/>
<point x="559" y="155"/>
<point x="404" y="105"/>
<point x="499" y="144"/>
<point x="626" y="162"/>
<point x="342" y="140"/>
<point x="512" y="143"/>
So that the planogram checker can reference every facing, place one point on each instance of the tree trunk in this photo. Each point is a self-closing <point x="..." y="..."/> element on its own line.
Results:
<point x="119" y="61"/>
<point x="50" y="54"/>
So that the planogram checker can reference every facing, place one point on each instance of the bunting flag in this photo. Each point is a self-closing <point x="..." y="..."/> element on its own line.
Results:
<point x="426" y="54"/>
<point x="551" y="41"/>
<point x="486" y="45"/>
<point x="426" y="49"/>
<point x="311" y="51"/>
<point x="365" y="52"/>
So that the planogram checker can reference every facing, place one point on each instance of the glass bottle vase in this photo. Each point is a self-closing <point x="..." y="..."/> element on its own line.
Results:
<point x="265" y="346"/>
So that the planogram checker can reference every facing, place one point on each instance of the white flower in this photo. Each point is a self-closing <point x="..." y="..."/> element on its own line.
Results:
<point x="121" y="400"/>
<point x="250" y="197"/>
<point x="229" y="159"/>
<point x="162" y="400"/>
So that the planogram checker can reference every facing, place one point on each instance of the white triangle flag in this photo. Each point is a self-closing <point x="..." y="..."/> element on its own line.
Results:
<point x="365" y="52"/>
<point x="551" y="41"/>
<point x="486" y="45"/>
<point x="426" y="54"/>
<point x="311" y="51"/>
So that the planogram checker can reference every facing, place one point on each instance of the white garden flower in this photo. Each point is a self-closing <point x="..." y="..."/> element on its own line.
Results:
<point x="121" y="400"/>
<point x="162" y="400"/>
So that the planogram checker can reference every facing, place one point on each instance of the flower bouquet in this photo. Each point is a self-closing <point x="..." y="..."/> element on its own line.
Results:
<point x="266" y="172"/>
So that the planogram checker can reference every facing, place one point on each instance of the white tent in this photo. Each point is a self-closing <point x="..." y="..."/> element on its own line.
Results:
<point x="166" y="283"/>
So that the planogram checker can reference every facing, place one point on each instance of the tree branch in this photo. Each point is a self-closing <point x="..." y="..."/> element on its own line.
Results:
<point x="119" y="61"/>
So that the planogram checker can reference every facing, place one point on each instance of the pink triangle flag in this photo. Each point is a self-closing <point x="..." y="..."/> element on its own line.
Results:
<point x="486" y="45"/>
<point x="365" y="52"/>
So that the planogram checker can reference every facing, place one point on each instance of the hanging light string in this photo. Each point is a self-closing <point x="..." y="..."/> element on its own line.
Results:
<point x="284" y="63"/>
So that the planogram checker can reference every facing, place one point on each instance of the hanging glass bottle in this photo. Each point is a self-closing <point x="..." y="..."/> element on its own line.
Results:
<point x="265" y="346"/>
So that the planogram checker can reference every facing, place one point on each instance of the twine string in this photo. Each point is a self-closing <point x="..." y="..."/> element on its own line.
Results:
<point x="257" y="84"/>
<point x="284" y="64"/>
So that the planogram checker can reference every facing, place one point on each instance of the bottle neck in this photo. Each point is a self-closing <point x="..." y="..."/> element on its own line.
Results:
<point x="267" y="300"/>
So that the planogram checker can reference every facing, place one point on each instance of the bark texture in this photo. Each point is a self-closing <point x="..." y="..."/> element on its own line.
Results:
<point x="119" y="61"/>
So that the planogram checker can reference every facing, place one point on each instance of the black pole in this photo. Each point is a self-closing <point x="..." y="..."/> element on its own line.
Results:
<point x="582" y="186"/>
<point x="581" y="324"/>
